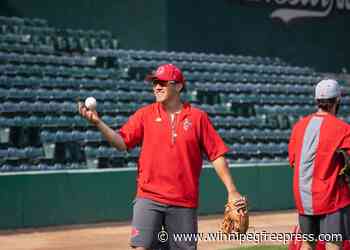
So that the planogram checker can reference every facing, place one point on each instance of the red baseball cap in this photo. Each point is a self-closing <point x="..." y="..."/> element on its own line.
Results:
<point x="167" y="72"/>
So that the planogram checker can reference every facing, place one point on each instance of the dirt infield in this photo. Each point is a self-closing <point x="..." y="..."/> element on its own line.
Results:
<point x="116" y="235"/>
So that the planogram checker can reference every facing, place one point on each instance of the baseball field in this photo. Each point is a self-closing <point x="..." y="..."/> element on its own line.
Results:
<point x="108" y="236"/>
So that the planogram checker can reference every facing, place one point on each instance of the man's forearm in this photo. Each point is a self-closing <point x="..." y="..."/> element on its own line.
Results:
<point x="223" y="171"/>
<point x="111" y="136"/>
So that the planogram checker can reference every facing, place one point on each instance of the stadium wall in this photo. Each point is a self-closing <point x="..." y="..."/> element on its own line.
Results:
<point x="78" y="197"/>
<point x="265" y="28"/>
<point x="317" y="37"/>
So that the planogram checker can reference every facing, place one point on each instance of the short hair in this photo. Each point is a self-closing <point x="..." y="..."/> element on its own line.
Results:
<point x="326" y="104"/>
<point x="183" y="89"/>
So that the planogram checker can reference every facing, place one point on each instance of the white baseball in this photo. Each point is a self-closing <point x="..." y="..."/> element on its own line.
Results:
<point x="90" y="103"/>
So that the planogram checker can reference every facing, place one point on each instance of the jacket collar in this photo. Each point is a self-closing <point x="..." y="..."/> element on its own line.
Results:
<point x="185" y="111"/>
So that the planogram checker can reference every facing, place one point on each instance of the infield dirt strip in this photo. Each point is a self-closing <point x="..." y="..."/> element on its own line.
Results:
<point x="115" y="236"/>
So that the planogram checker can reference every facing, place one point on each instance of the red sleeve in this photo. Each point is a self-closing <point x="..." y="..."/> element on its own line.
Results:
<point x="211" y="142"/>
<point x="132" y="130"/>
<point x="345" y="144"/>
<point x="291" y="148"/>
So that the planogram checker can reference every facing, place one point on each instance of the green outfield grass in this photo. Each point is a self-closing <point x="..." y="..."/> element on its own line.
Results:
<point x="260" y="247"/>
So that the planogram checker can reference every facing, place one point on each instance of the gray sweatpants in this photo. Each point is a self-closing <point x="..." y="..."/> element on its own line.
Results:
<point x="336" y="223"/>
<point x="154" y="225"/>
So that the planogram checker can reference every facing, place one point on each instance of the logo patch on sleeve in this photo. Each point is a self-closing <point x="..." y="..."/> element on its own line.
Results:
<point x="134" y="232"/>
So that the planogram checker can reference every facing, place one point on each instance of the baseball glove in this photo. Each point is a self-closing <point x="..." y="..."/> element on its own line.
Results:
<point x="236" y="218"/>
<point x="346" y="166"/>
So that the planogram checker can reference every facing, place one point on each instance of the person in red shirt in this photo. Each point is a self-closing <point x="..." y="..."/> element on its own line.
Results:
<point x="173" y="136"/>
<point x="321" y="195"/>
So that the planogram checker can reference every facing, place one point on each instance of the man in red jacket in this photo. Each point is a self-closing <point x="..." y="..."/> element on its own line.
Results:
<point x="173" y="135"/>
<point x="322" y="196"/>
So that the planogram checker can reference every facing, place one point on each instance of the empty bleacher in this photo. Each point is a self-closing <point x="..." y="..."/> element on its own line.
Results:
<point x="252" y="101"/>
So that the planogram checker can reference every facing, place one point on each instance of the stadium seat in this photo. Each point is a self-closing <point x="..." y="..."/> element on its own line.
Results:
<point x="252" y="100"/>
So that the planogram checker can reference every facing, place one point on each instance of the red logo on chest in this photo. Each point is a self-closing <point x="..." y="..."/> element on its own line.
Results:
<point x="187" y="124"/>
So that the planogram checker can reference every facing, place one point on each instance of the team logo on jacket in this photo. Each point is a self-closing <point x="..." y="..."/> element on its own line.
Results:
<point x="187" y="124"/>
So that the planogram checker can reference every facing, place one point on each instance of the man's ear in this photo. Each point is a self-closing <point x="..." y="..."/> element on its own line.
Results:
<point x="179" y="87"/>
